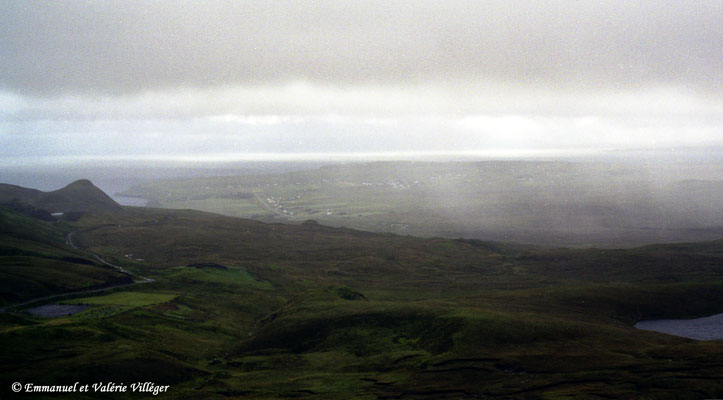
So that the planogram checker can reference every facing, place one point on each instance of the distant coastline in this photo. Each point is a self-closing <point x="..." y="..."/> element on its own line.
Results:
<point x="130" y="200"/>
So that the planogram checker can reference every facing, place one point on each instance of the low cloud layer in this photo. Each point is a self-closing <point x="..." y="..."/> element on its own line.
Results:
<point x="183" y="77"/>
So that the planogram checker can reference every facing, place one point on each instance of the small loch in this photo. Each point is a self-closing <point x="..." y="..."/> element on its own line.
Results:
<point x="704" y="328"/>
<point x="57" y="310"/>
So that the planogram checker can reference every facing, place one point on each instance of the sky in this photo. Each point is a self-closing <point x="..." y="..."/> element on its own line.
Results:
<point x="225" y="80"/>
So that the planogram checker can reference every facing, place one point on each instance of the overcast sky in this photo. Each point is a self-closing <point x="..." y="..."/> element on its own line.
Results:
<point x="232" y="79"/>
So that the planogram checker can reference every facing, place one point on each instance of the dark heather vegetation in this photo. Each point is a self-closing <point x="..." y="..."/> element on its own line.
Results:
<point x="246" y="309"/>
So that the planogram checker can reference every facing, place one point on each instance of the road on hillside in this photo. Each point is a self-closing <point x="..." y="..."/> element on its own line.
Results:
<point x="137" y="279"/>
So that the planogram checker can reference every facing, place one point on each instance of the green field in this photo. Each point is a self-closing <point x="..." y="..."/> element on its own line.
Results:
<point x="112" y="304"/>
<point x="133" y="299"/>
<point x="236" y="277"/>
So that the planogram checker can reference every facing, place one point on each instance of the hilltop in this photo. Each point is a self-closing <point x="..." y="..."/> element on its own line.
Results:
<point x="36" y="259"/>
<point x="78" y="196"/>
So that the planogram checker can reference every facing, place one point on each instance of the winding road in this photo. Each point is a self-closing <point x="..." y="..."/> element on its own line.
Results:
<point x="137" y="279"/>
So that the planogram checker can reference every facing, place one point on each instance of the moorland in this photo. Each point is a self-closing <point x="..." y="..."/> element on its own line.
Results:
<point x="219" y="307"/>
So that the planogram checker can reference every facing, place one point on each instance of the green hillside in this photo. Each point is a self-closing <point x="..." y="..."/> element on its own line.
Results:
<point x="36" y="261"/>
<point x="244" y="309"/>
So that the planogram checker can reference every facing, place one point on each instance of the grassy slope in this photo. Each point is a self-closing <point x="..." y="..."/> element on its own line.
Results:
<point x="318" y="312"/>
<point x="36" y="262"/>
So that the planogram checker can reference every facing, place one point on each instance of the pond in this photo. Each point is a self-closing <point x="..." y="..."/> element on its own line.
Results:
<point x="705" y="328"/>
<point x="57" y="310"/>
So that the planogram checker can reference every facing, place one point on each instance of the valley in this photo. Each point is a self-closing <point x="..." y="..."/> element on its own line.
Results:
<point x="363" y="200"/>
<point x="243" y="308"/>
<point x="559" y="203"/>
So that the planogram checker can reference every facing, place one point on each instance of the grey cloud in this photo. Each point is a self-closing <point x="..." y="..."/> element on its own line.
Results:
<point x="60" y="47"/>
<point x="362" y="101"/>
